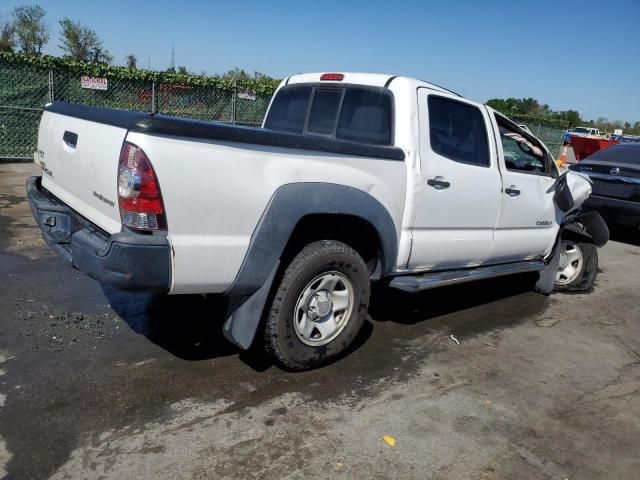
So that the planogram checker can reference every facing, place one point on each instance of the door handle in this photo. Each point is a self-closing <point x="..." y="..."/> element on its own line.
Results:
<point x="438" y="183"/>
<point x="512" y="191"/>
<point x="70" y="139"/>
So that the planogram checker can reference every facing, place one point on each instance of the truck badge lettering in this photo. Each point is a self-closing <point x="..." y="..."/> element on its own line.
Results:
<point x="103" y="199"/>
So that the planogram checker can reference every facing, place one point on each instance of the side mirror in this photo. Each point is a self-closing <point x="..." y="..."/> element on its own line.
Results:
<point x="563" y="197"/>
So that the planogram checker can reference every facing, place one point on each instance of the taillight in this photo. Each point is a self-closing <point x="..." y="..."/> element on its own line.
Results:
<point x="139" y="194"/>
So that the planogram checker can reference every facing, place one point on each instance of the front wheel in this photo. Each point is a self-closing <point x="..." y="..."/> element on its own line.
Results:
<point x="319" y="306"/>
<point x="578" y="265"/>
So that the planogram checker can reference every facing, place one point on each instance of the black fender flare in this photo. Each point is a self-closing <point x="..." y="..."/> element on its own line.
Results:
<point x="595" y="226"/>
<point x="287" y="207"/>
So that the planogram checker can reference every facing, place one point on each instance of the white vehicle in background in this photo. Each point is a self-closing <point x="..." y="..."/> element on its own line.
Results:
<point x="354" y="178"/>
<point x="580" y="132"/>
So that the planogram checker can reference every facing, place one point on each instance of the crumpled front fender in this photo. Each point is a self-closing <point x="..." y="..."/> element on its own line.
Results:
<point x="580" y="186"/>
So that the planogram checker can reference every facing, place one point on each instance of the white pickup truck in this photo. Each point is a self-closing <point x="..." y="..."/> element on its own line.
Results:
<point x="353" y="178"/>
<point x="579" y="132"/>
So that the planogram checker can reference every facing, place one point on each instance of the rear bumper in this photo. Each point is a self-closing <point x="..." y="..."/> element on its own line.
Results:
<point x="125" y="260"/>
<point x="622" y="212"/>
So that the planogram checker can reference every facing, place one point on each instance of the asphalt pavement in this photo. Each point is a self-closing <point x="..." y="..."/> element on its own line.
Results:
<point x="481" y="381"/>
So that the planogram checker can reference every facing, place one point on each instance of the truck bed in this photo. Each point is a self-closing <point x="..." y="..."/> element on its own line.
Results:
<point x="195" y="129"/>
<point x="216" y="180"/>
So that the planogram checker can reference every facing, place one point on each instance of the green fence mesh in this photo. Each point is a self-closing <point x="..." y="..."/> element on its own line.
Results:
<point x="25" y="89"/>
<point x="125" y="94"/>
<point x="193" y="101"/>
<point x="18" y="133"/>
<point x="22" y="86"/>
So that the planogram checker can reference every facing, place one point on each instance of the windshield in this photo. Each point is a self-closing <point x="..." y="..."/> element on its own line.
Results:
<point x="581" y="130"/>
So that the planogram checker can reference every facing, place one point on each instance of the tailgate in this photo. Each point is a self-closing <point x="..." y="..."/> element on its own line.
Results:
<point x="79" y="161"/>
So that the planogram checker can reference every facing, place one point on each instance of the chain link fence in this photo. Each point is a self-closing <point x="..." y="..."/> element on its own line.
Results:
<point x="549" y="132"/>
<point x="25" y="90"/>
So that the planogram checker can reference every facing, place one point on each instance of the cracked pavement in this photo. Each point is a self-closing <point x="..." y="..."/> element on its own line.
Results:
<point x="95" y="383"/>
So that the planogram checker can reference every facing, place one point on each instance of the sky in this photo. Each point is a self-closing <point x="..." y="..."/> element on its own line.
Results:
<point x="582" y="55"/>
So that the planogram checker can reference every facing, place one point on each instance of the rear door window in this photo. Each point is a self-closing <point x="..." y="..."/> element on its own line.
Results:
<point x="356" y="114"/>
<point x="458" y="132"/>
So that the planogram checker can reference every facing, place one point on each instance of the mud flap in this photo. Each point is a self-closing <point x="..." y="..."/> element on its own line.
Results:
<point x="547" y="277"/>
<point x="244" y="313"/>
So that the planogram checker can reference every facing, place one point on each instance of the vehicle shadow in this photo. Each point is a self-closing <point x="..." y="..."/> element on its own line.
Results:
<point x="445" y="308"/>
<point x="627" y="235"/>
<point x="190" y="326"/>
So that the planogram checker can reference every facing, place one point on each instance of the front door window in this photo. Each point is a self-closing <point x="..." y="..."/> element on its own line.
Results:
<point x="521" y="154"/>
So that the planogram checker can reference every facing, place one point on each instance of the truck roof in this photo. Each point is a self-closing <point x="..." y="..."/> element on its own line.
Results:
<point x="372" y="79"/>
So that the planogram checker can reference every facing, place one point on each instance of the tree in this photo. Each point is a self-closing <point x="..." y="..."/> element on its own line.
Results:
<point x="237" y="74"/>
<point x="573" y="118"/>
<point x="31" y="32"/>
<point x="569" y="117"/>
<point x="532" y="108"/>
<point x="7" y="37"/>
<point x="499" y="104"/>
<point x="261" y="76"/>
<point x="183" y="70"/>
<point x="240" y="74"/>
<point x="132" y="61"/>
<point x="101" y="55"/>
<point x="82" y="43"/>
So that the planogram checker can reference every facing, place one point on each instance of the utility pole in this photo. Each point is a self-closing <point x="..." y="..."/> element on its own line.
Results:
<point x="172" y="64"/>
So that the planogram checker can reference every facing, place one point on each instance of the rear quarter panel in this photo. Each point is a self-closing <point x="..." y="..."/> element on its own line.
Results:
<point x="215" y="193"/>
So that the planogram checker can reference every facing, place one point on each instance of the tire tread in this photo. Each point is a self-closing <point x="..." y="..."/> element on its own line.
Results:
<point x="310" y="253"/>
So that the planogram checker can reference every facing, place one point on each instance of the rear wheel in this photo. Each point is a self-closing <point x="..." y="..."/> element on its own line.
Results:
<point x="578" y="265"/>
<point x="319" y="306"/>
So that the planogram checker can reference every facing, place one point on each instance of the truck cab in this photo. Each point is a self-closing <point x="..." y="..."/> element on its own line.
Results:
<point x="498" y="195"/>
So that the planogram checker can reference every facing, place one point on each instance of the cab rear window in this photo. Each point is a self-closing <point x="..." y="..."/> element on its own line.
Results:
<point x="324" y="108"/>
<point x="289" y="109"/>
<point x="357" y="114"/>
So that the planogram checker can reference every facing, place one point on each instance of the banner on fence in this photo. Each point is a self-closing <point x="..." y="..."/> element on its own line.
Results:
<point x="247" y="94"/>
<point x="93" y="83"/>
